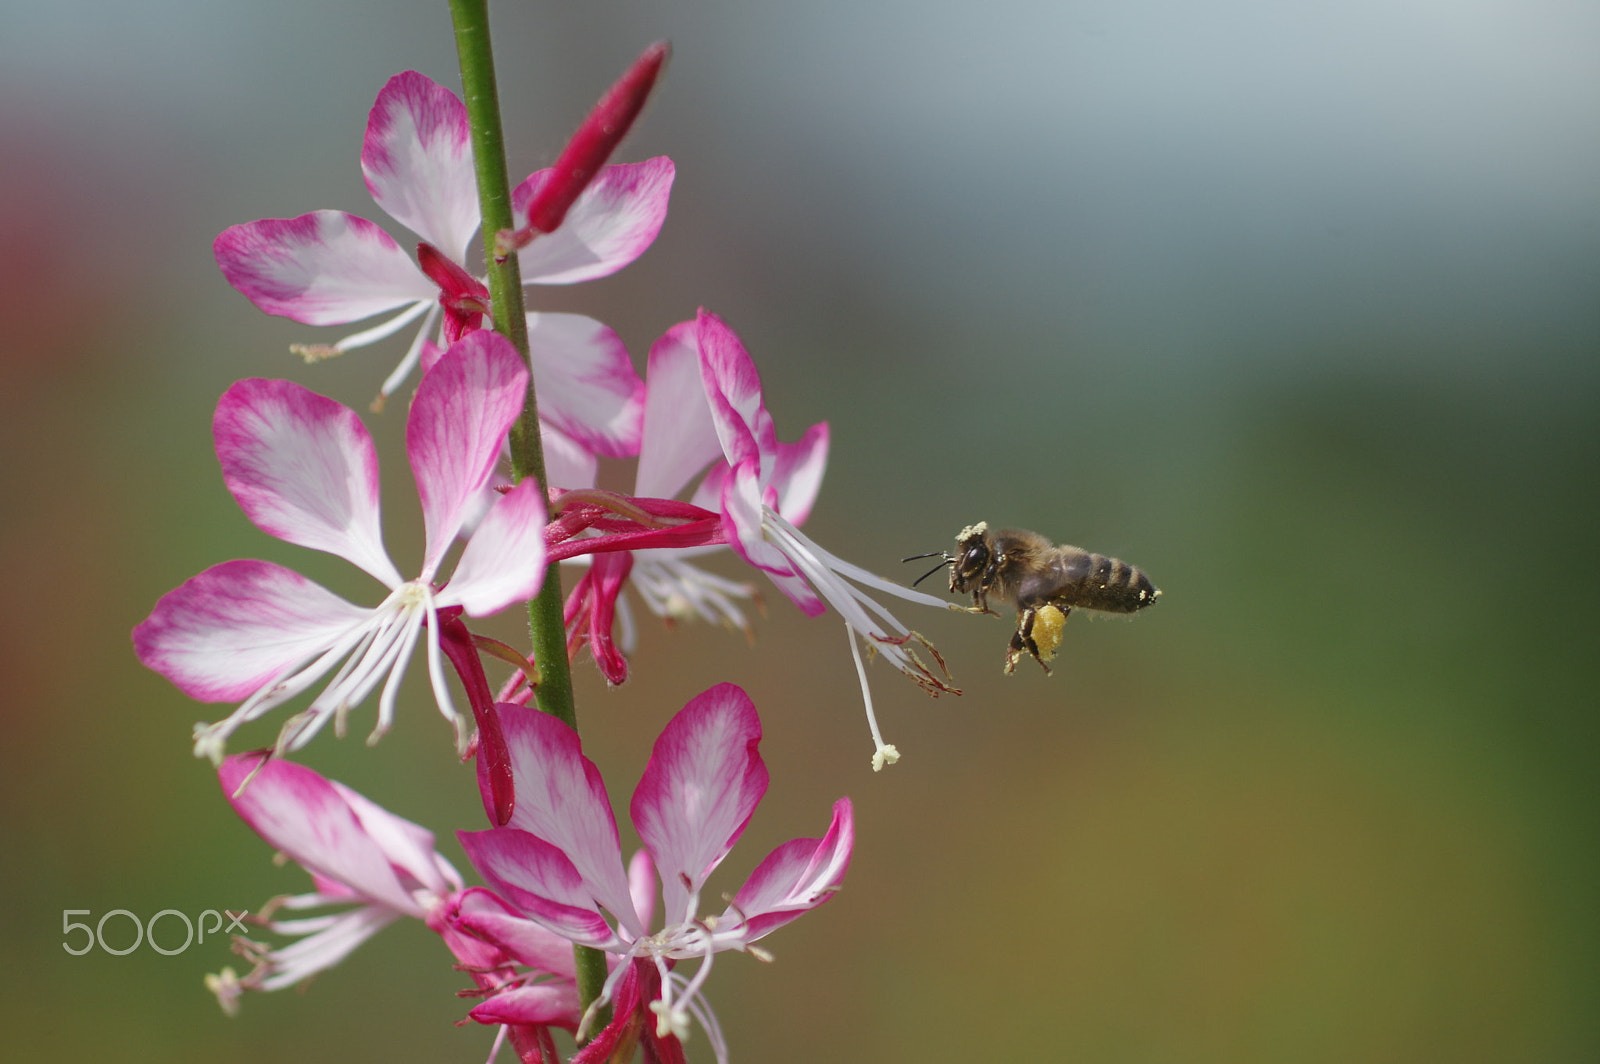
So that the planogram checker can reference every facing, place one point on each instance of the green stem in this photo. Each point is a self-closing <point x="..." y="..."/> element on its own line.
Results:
<point x="546" y="625"/>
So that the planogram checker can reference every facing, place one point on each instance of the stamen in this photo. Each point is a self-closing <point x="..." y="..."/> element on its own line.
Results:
<point x="436" y="675"/>
<point x="884" y="754"/>
<point x="499" y="1040"/>
<point x="391" y="688"/>
<point x="318" y="352"/>
<point x="691" y="989"/>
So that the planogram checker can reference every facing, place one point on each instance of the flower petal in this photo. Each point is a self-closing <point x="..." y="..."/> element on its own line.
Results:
<point x="305" y="816"/>
<point x="304" y="469"/>
<point x="680" y="438"/>
<point x="494" y="924"/>
<point x="458" y="422"/>
<point x="417" y="159"/>
<point x="539" y="879"/>
<point x="795" y="878"/>
<point x="742" y="515"/>
<point x="567" y="463"/>
<point x="562" y="800"/>
<point x="332" y="942"/>
<point x="408" y="847"/>
<point x="322" y="268"/>
<point x="733" y="389"/>
<point x="587" y="385"/>
<point x="226" y="633"/>
<point x="797" y="473"/>
<point x="539" y="1003"/>
<point x="503" y="562"/>
<point x="607" y="227"/>
<point x="703" y="782"/>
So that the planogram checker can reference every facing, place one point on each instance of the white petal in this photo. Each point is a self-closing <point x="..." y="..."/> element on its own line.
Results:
<point x="239" y="626"/>
<point x="417" y="159"/>
<point x="587" y="385"/>
<point x="680" y="438"/>
<point x="322" y="268"/>
<point x="504" y="561"/>
<point x="304" y="469"/>
<point x="464" y="406"/>
<point x="609" y="225"/>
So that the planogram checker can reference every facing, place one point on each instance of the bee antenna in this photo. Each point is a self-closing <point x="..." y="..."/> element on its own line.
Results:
<point x="930" y="572"/>
<point x="918" y="557"/>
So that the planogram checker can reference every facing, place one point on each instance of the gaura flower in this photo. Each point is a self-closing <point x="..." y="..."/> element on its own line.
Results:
<point x="379" y="867"/>
<point x="560" y="862"/>
<point x="760" y="483"/>
<point x="332" y="268"/>
<point x="703" y="405"/>
<point x="304" y="469"/>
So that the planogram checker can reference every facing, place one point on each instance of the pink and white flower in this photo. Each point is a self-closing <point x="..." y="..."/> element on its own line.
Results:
<point x="332" y="268"/>
<point x="304" y="469"/>
<point x="701" y="372"/>
<point x="559" y="859"/>
<point x="378" y="865"/>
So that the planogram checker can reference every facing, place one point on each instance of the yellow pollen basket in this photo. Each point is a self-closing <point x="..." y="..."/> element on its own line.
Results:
<point x="1048" y="621"/>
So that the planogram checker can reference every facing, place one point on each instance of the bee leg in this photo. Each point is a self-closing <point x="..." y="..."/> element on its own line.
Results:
<point x="1022" y="642"/>
<point x="980" y="604"/>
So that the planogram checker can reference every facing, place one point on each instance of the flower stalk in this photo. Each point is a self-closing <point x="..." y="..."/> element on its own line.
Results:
<point x="546" y="620"/>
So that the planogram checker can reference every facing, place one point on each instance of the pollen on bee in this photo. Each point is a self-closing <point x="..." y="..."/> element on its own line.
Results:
<point x="1048" y="622"/>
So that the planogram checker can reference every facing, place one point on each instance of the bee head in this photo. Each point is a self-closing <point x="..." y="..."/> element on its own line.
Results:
<point x="968" y="564"/>
<point x="972" y="557"/>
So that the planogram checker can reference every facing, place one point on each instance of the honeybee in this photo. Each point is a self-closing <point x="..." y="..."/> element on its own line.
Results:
<point x="1046" y="582"/>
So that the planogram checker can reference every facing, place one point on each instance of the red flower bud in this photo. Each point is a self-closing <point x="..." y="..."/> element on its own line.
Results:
<point x="596" y="139"/>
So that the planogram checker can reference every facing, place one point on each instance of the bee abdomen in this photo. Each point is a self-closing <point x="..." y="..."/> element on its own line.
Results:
<point x="1096" y="582"/>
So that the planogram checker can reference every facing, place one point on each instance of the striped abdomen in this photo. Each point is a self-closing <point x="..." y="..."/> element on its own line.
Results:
<point x="1082" y="579"/>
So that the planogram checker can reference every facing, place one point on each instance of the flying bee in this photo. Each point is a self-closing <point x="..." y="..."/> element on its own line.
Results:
<point x="1044" y="581"/>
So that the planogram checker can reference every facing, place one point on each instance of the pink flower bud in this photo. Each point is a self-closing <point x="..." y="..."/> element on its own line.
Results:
<point x="596" y="139"/>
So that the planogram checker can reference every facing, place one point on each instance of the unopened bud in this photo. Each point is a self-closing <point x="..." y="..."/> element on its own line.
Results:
<point x="596" y="139"/>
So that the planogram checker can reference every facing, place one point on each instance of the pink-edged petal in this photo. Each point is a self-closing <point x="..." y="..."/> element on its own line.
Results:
<point x="703" y="782"/>
<point x="493" y="924"/>
<point x="322" y="268"/>
<point x="587" y="385"/>
<point x="304" y="469"/>
<point x="417" y="159"/>
<point x="562" y="800"/>
<point x="680" y="438"/>
<point x="458" y="422"/>
<point x="302" y="814"/>
<point x="567" y="463"/>
<point x="538" y="878"/>
<point x="797" y="473"/>
<point x="733" y="389"/>
<point x="226" y="633"/>
<point x="540" y="1003"/>
<point x="742" y="510"/>
<point x="503" y="562"/>
<point x="795" y="878"/>
<point x="607" y="227"/>
<point x="407" y="846"/>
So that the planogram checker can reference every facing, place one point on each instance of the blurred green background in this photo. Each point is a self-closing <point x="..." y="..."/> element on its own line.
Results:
<point x="1292" y="305"/>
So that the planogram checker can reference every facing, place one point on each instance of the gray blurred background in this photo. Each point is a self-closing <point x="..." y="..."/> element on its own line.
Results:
<point x="1292" y="305"/>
